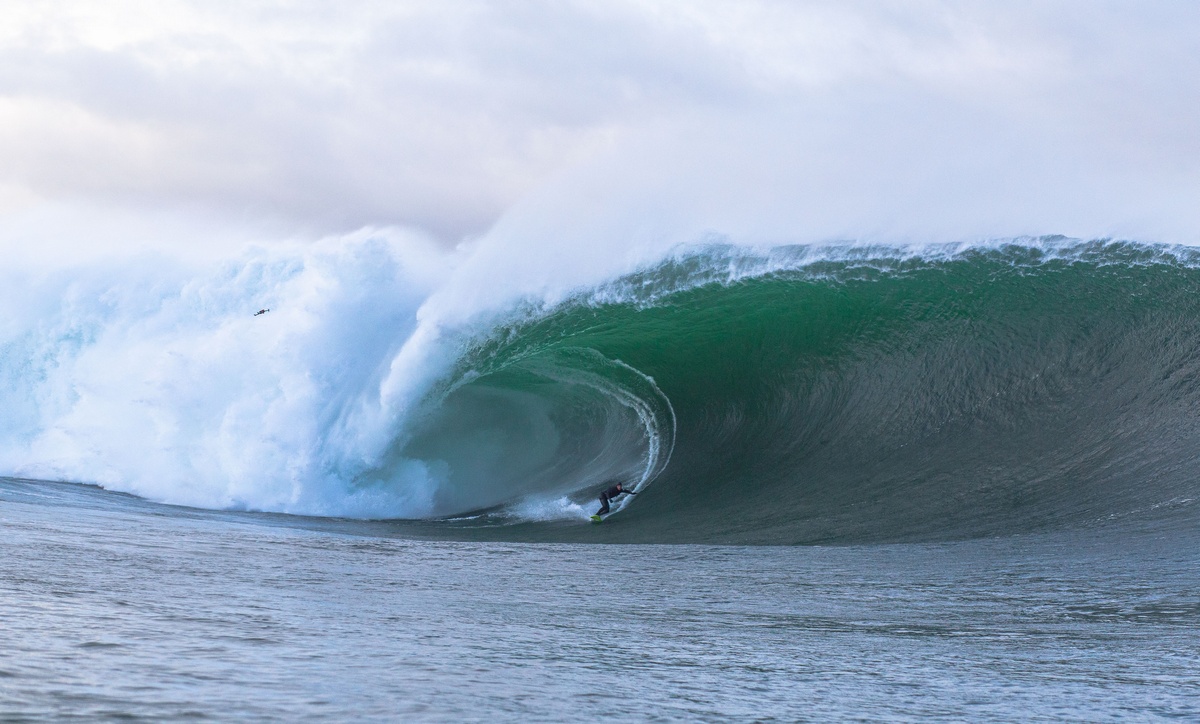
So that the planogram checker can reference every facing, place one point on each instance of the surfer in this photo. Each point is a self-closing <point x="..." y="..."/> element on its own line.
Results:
<point x="261" y="311"/>
<point x="611" y="494"/>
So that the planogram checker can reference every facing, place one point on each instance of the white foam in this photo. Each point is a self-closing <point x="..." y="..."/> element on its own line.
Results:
<point x="162" y="382"/>
<point x="542" y="509"/>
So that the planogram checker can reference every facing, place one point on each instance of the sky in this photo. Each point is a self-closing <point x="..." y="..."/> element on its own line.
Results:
<point x="197" y="127"/>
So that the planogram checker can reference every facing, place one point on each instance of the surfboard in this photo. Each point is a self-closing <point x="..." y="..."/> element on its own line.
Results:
<point x="596" y="519"/>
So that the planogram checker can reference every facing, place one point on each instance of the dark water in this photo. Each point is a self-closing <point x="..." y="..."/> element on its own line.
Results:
<point x="119" y="608"/>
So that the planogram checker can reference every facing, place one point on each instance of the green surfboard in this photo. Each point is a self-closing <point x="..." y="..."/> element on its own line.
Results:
<point x="596" y="519"/>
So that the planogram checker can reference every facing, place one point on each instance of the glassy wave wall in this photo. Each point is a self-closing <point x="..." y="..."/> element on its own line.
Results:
<point x="876" y="395"/>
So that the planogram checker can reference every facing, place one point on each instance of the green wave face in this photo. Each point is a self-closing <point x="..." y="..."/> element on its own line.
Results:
<point x="844" y="395"/>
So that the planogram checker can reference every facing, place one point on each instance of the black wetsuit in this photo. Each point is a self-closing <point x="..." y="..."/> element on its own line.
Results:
<point x="608" y="495"/>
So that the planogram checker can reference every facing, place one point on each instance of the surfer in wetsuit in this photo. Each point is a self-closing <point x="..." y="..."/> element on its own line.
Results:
<point x="611" y="494"/>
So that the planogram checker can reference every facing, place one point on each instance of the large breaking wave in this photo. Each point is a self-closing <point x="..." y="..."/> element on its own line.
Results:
<point x="783" y="395"/>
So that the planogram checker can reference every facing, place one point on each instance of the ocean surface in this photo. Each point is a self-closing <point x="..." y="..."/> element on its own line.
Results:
<point x="950" y="482"/>
<point x="115" y="608"/>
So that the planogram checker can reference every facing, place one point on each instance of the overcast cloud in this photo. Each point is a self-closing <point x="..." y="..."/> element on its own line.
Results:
<point x="778" y="120"/>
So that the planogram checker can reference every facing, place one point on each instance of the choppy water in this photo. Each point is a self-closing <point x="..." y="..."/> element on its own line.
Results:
<point x="114" y="607"/>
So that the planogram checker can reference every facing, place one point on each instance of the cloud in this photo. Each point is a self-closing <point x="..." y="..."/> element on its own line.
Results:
<point x="764" y="118"/>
